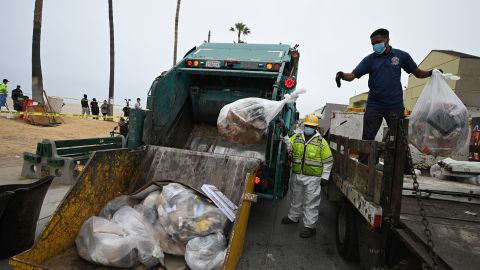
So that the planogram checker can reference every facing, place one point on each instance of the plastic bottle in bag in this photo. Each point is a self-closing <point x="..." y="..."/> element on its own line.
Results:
<point x="246" y="120"/>
<point x="438" y="125"/>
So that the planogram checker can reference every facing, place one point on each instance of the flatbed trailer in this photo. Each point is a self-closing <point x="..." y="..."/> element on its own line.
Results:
<point x="383" y="221"/>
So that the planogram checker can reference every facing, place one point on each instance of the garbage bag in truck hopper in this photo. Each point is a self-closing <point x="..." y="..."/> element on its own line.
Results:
<point x="246" y="120"/>
<point x="112" y="173"/>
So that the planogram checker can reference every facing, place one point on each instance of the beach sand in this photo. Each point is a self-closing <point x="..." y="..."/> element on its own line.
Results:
<point x="18" y="136"/>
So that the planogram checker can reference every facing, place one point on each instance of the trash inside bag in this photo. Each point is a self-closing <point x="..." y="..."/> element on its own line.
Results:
<point x="186" y="215"/>
<point x="438" y="125"/>
<point x="112" y="206"/>
<point x="149" y="210"/>
<point x="124" y="241"/>
<point x="131" y="231"/>
<point x="207" y="252"/>
<point x="246" y="120"/>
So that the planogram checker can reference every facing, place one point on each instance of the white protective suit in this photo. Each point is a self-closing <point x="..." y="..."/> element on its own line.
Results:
<point x="305" y="190"/>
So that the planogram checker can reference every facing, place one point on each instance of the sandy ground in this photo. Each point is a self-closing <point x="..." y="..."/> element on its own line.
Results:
<point x="18" y="136"/>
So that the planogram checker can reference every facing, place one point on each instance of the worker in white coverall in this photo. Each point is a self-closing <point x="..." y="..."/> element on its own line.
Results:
<point x="311" y="165"/>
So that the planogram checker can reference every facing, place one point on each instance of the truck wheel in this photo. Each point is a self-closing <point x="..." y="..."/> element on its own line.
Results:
<point x="346" y="231"/>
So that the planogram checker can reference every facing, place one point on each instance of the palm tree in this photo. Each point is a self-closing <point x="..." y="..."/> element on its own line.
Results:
<point x="176" y="33"/>
<point x="37" y="78"/>
<point x="242" y="30"/>
<point x="112" y="60"/>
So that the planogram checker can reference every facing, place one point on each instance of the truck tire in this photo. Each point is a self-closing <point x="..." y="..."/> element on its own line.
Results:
<point x="346" y="233"/>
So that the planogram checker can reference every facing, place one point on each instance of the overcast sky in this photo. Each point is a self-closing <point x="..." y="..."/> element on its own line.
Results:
<point x="333" y="36"/>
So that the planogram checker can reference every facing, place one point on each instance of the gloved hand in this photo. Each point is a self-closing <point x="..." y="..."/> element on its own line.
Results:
<point x="431" y="71"/>
<point x="338" y="78"/>
<point x="323" y="182"/>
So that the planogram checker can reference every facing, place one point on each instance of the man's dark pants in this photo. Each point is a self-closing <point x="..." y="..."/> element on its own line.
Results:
<point x="372" y="120"/>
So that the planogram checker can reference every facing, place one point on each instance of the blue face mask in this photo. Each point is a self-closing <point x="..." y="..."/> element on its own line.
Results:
<point x="379" y="48"/>
<point x="308" y="131"/>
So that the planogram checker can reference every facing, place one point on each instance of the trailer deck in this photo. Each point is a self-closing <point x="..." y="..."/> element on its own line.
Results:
<point x="455" y="231"/>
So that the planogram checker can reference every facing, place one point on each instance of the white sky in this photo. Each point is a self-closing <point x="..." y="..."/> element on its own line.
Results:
<point x="333" y="36"/>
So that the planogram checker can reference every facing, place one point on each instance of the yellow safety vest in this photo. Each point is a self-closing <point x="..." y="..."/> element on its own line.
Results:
<point x="308" y="159"/>
<point x="3" y="89"/>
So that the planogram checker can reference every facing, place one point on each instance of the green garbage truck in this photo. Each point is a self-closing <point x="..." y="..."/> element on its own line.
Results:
<point x="183" y="105"/>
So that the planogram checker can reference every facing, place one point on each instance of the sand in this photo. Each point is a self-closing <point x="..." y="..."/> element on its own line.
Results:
<point x="18" y="136"/>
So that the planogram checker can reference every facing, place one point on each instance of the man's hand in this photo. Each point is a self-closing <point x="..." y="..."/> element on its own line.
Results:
<point x="338" y="78"/>
<point x="323" y="182"/>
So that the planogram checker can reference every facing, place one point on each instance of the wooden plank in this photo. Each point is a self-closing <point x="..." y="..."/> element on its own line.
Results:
<point x="361" y="179"/>
<point x="372" y="162"/>
<point x="361" y="146"/>
<point x="377" y="192"/>
<point x="350" y="169"/>
<point x="86" y="149"/>
<point x="89" y="141"/>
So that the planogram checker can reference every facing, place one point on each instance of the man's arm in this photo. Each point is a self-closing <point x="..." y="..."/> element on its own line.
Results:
<point x="347" y="76"/>
<point x="421" y="74"/>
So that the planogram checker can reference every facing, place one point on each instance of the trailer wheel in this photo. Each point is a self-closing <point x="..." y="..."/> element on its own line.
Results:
<point x="346" y="231"/>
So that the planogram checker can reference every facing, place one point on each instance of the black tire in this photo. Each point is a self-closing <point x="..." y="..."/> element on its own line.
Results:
<point x="346" y="233"/>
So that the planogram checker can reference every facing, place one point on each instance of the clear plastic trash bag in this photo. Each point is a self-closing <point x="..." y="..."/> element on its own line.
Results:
<point x="124" y="241"/>
<point x="206" y="253"/>
<point x="438" y="125"/>
<point x="246" y="120"/>
<point x="149" y="210"/>
<point x="186" y="215"/>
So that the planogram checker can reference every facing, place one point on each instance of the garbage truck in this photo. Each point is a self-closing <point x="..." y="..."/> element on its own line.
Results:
<point x="176" y="139"/>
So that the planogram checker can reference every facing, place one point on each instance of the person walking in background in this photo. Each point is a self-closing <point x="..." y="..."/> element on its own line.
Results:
<point x="104" y="109"/>
<point x="3" y="93"/>
<point x="94" y="107"/>
<point x="85" y="108"/>
<point x="17" y="97"/>
<point x="138" y="105"/>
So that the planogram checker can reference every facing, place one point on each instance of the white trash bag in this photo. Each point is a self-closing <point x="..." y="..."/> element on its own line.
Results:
<point x="438" y="125"/>
<point x="124" y="241"/>
<point x="246" y="120"/>
<point x="206" y="253"/>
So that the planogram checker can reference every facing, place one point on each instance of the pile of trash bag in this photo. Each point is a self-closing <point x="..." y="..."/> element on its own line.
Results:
<point x="177" y="220"/>
<point x="246" y="120"/>
<point x="438" y="125"/>
<point x="205" y="253"/>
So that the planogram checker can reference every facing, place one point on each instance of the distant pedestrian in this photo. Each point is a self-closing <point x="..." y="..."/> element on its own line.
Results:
<point x="85" y="108"/>
<point x="94" y="107"/>
<point x="17" y="97"/>
<point x="138" y="105"/>
<point x="126" y="109"/>
<point x="104" y="109"/>
<point x="3" y="93"/>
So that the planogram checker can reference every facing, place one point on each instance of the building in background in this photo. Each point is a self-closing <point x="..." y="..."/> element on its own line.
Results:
<point x="358" y="101"/>
<point x="325" y="114"/>
<point x="464" y="65"/>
